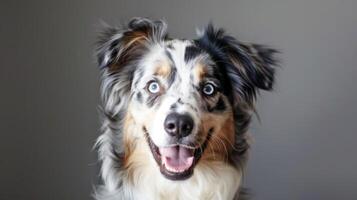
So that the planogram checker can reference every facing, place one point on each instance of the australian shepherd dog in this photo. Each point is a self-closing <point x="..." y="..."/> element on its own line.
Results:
<point x="176" y="111"/>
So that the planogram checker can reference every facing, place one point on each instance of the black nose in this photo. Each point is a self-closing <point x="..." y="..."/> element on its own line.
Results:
<point x="178" y="125"/>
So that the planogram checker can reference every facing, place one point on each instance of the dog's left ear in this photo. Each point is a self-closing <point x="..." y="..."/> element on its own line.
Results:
<point x="117" y="48"/>
<point x="248" y="66"/>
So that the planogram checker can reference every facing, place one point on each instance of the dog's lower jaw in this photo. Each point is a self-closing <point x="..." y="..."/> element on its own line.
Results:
<point x="211" y="179"/>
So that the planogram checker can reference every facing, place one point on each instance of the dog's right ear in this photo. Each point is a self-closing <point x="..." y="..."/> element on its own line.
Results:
<point x="249" y="67"/>
<point x="119" y="47"/>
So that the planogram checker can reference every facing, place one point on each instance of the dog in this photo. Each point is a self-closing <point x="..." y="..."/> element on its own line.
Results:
<point x="175" y="112"/>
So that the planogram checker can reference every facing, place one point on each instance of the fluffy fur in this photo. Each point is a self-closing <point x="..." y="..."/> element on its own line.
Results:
<point x="132" y="57"/>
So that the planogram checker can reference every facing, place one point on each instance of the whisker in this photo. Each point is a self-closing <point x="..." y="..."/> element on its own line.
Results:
<point x="224" y="146"/>
<point x="229" y="142"/>
<point x="213" y="152"/>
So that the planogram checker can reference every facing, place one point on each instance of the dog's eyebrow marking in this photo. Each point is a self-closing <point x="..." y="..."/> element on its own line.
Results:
<point x="163" y="69"/>
<point x="200" y="71"/>
<point x="192" y="52"/>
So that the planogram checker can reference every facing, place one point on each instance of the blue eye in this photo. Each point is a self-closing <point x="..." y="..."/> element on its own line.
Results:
<point x="208" y="89"/>
<point x="154" y="87"/>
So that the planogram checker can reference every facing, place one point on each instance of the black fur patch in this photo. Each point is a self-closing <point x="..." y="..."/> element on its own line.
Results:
<point x="168" y="54"/>
<point x="170" y="46"/>
<point x="180" y="101"/>
<point x="220" y="106"/>
<point x="114" y="44"/>
<point x="173" y="106"/>
<point x="172" y="75"/>
<point x="139" y="97"/>
<point x="192" y="52"/>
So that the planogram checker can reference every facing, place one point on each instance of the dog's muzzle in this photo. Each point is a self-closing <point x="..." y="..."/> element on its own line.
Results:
<point x="178" y="159"/>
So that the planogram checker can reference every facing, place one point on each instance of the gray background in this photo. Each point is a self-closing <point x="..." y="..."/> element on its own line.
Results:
<point x="304" y="145"/>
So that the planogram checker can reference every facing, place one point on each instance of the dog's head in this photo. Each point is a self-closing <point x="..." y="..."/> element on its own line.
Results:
<point x="182" y="95"/>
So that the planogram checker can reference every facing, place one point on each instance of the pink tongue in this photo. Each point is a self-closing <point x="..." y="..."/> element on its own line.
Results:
<point x="177" y="158"/>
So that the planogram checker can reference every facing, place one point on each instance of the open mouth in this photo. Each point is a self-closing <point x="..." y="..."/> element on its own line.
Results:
<point x="176" y="162"/>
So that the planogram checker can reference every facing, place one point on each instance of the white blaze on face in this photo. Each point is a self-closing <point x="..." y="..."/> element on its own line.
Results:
<point x="156" y="129"/>
<point x="180" y="92"/>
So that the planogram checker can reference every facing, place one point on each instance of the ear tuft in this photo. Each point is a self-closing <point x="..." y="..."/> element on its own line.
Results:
<point x="263" y="57"/>
<point x="106" y="45"/>
<point x="116" y="47"/>
<point x="262" y="64"/>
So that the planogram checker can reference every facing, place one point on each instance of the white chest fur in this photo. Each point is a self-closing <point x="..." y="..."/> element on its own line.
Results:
<point x="211" y="180"/>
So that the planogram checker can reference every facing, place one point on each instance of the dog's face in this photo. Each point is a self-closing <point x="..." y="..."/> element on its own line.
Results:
<point x="184" y="95"/>
<point x="178" y="100"/>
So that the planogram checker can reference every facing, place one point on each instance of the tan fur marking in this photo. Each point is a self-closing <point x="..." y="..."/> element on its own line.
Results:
<point x="163" y="69"/>
<point x="221" y="142"/>
<point x="199" y="71"/>
<point x="127" y="139"/>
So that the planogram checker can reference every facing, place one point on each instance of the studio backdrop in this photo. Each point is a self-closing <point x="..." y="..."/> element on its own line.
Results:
<point x="304" y="141"/>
